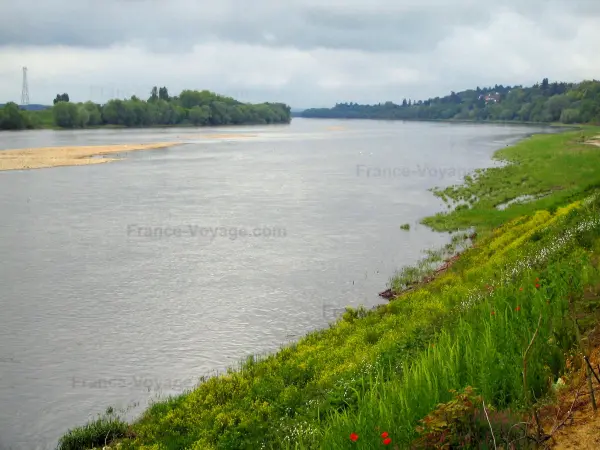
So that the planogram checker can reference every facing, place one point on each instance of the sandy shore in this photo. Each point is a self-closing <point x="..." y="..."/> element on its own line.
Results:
<point x="38" y="158"/>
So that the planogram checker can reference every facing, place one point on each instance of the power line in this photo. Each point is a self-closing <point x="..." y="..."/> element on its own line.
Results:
<point x="25" y="89"/>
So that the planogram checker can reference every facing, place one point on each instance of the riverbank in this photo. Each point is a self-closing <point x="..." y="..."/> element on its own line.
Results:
<point x="44" y="157"/>
<point x="505" y="302"/>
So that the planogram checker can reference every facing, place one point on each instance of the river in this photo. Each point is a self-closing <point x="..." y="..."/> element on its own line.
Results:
<point x="126" y="281"/>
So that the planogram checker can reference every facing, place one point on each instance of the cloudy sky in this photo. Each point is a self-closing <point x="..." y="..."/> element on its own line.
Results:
<point x="302" y="52"/>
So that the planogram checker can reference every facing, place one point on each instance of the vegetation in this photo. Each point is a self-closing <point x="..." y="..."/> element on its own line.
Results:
<point x="196" y="108"/>
<point x="61" y="98"/>
<point x="488" y="335"/>
<point x="13" y="118"/>
<point x="546" y="102"/>
<point x="405" y="227"/>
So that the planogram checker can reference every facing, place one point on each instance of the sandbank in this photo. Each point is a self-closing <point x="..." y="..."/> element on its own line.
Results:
<point x="38" y="158"/>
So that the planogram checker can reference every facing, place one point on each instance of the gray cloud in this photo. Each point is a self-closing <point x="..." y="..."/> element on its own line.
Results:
<point x="390" y="25"/>
<point x="305" y="52"/>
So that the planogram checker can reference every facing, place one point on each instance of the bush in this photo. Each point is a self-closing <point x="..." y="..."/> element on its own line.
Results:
<point x="96" y="433"/>
<point x="463" y="423"/>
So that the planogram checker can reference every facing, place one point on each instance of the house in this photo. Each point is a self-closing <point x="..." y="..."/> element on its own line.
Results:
<point x="490" y="98"/>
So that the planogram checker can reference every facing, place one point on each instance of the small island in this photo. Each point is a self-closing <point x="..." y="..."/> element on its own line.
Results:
<point x="189" y="108"/>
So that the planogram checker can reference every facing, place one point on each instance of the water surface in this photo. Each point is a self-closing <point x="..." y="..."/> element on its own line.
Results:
<point x="95" y="313"/>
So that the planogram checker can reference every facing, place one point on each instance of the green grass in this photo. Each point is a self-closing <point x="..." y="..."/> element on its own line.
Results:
<point x="43" y="118"/>
<point x="556" y="164"/>
<point x="386" y="369"/>
<point x="96" y="433"/>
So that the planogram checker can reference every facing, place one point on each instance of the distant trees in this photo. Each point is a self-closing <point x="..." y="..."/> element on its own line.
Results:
<point x="198" y="108"/>
<point x="61" y="98"/>
<point x="13" y="118"/>
<point x="542" y="102"/>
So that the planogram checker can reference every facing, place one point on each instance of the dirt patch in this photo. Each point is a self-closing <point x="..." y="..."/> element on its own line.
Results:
<point x="572" y="421"/>
<point x="595" y="141"/>
<point x="38" y="158"/>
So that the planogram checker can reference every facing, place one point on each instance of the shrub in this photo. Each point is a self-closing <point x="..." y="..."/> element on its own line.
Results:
<point x="96" y="433"/>
<point x="463" y="423"/>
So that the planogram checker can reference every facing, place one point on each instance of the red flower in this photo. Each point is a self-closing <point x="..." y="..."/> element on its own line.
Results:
<point x="537" y="286"/>
<point x="387" y="441"/>
<point x="518" y="308"/>
<point x="353" y="437"/>
<point x="520" y="289"/>
<point x="384" y="434"/>
<point x="493" y="313"/>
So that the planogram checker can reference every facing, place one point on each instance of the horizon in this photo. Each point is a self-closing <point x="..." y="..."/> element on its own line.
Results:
<point x="300" y="108"/>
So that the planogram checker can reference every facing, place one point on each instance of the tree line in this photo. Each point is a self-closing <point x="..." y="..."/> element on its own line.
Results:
<point x="199" y="108"/>
<point x="543" y="102"/>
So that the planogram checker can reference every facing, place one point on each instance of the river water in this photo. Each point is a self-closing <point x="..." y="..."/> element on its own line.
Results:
<point x="124" y="282"/>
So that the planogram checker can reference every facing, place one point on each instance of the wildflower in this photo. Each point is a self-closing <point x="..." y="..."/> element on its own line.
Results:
<point x="493" y="313"/>
<point x="353" y="437"/>
<point x="537" y="286"/>
<point x="521" y="289"/>
<point x="387" y="441"/>
<point x="384" y="434"/>
<point x="518" y="308"/>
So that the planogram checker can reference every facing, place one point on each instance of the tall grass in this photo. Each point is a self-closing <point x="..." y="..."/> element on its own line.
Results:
<point x="484" y="350"/>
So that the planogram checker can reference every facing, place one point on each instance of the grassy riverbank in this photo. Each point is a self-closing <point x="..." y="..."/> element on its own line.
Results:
<point x="532" y="268"/>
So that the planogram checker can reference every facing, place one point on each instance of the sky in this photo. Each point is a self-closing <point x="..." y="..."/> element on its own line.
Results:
<point x="306" y="53"/>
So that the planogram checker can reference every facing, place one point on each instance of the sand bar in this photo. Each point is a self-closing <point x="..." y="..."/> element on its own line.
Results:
<point x="38" y="158"/>
<point x="217" y="136"/>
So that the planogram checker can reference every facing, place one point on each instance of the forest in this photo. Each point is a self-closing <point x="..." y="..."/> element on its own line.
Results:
<point x="561" y="102"/>
<point x="194" y="108"/>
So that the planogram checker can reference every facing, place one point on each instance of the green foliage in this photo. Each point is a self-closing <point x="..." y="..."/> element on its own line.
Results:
<point x="95" y="434"/>
<point x="198" y="108"/>
<point x="547" y="102"/>
<point x="191" y="107"/>
<point x="465" y="422"/>
<point x="61" y="98"/>
<point x="405" y="226"/>
<point x="13" y="118"/>
<point x="550" y="168"/>
<point x="67" y="115"/>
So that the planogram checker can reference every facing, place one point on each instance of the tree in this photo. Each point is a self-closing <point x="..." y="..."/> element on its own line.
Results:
<point x="61" y="98"/>
<point x="153" y="94"/>
<point x="12" y="118"/>
<point x="66" y="114"/>
<point x="569" y="116"/>
<point x="163" y="94"/>
<point x="199" y="115"/>
<point x="94" y="113"/>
